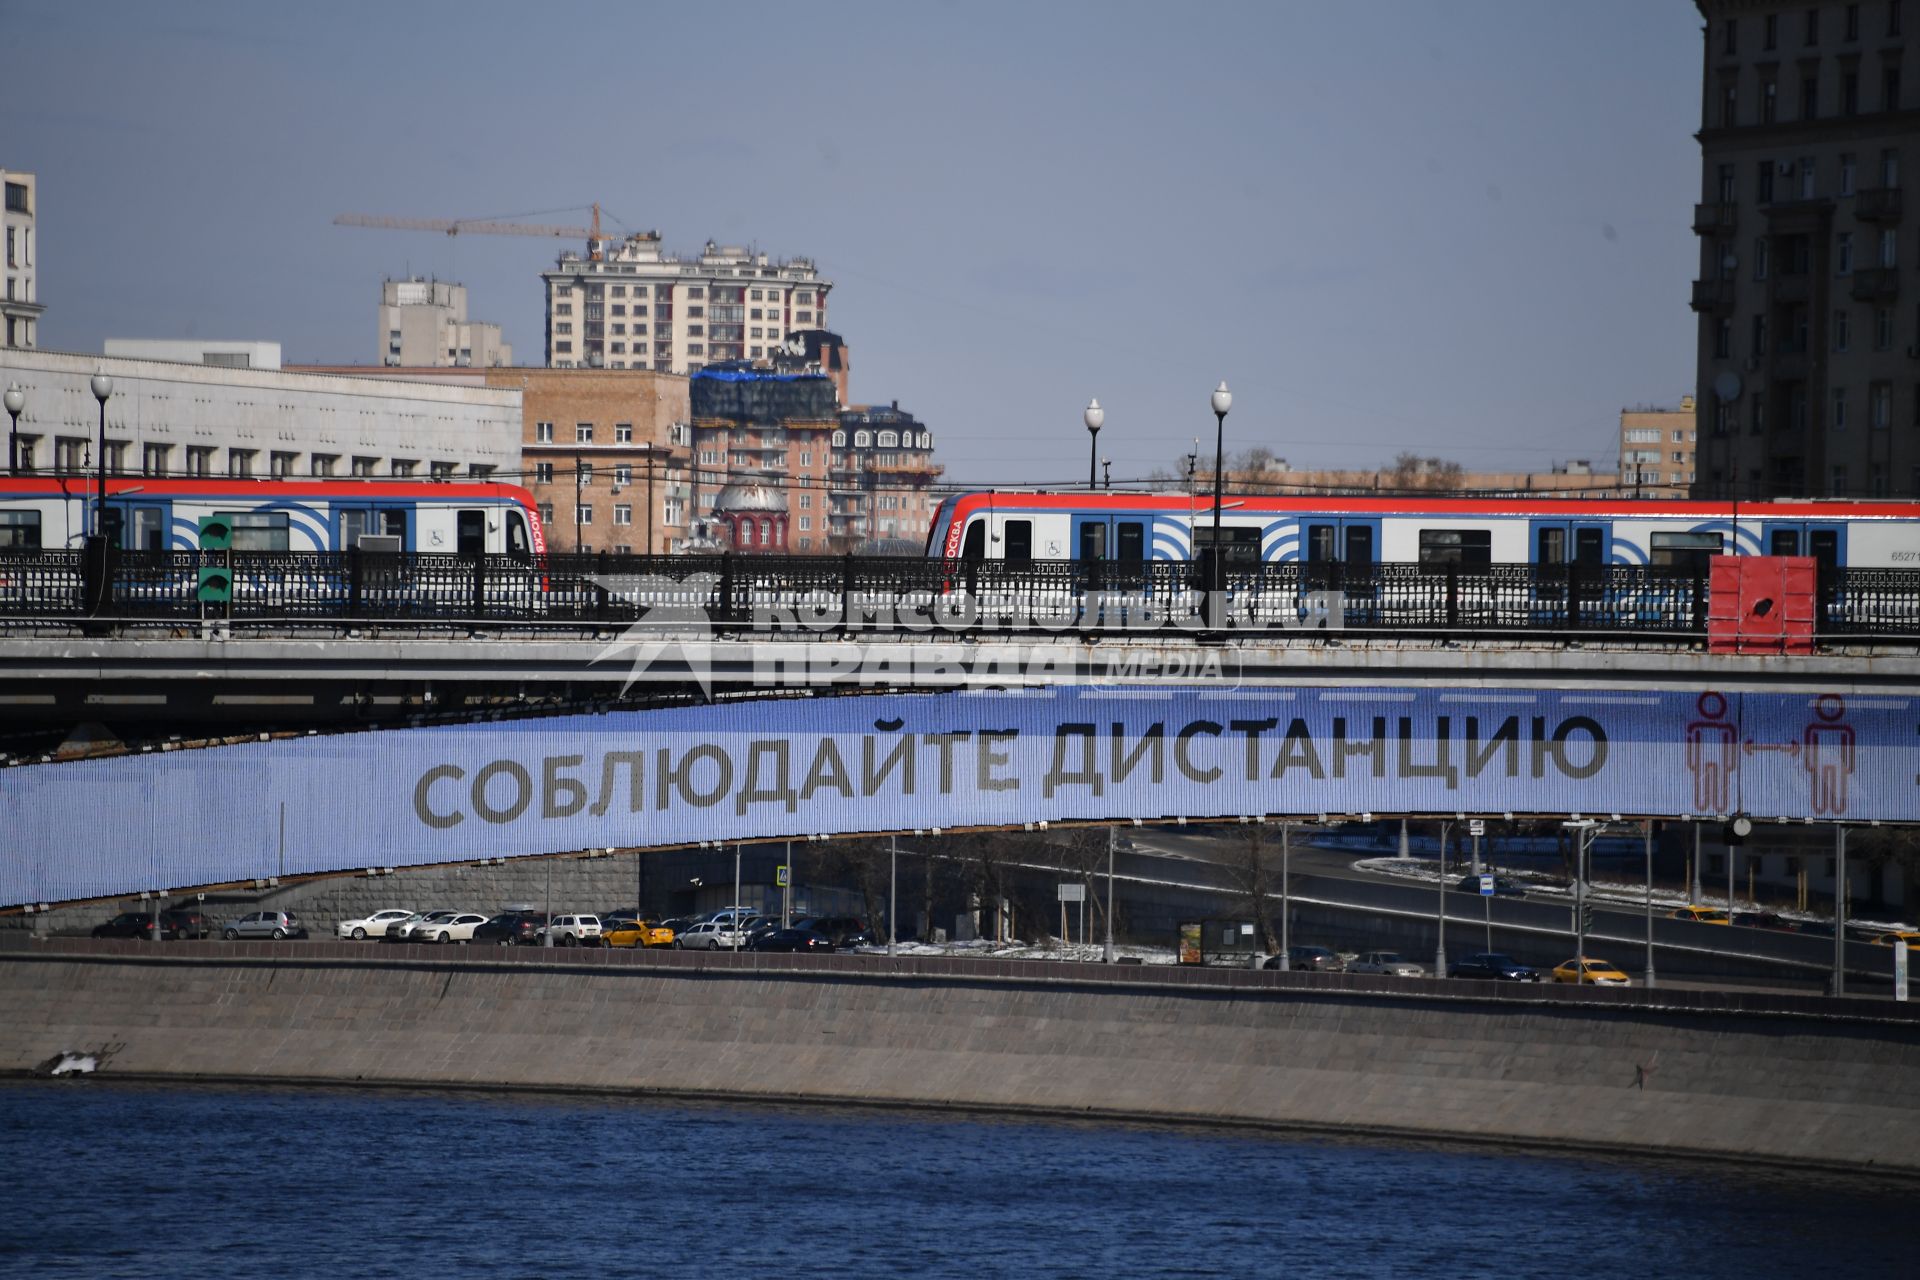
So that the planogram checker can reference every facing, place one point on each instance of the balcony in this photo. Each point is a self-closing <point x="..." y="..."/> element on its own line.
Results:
<point x="1877" y="204"/>
<point x="1714" y="219"/>
<point x="1876" y="284"/>
<point x="1713" y="295"/>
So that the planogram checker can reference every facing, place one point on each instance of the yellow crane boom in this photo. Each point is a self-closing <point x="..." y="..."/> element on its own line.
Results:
<point x="478" y="227"/>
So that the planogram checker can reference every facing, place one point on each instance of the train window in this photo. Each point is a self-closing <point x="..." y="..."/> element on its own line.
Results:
<point x="517" y="542"/>
<point x="1553" y="546"/>
<point x="1359" y="544"/>
<point x="1824" y="545"/>
<point x="1784" y="542"/>
<point x="393" y="523"/>
<point x="258" y="530"/>
<point x="1456" y="546"/>
<point x="1131" y="542"/>
<point x="470" y="532"/>
<point x="974" y="547"/>
<point x="1019" y="539"/>
<point x="149" y="529"/>
<point x="1242" y="544"/>
<point x="1093" y="541"/>
<point x="19" y="530"/>
<point x="1589" y="546"/>
<point x="1322" y="542"/>
<point x="1689" y="551"/>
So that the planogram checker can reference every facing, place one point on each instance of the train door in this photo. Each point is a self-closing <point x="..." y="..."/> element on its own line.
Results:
<point x="1120" y="540"/>
<point x="1577" y="542"/>
<point x="1825" y="541"/>
<point x="352" y="523"/>
<point x="1332" y="543"/>
<point x="470" y="532"/>
<point x="136" y="526"/>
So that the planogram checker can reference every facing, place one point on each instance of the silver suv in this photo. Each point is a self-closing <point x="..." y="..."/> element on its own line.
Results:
<point x="575" y="931"/>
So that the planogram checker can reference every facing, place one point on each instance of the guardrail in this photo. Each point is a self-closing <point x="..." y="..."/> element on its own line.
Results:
<point x="833" y="594"/>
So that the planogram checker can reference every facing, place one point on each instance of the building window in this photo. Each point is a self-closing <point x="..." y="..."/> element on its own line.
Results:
<point x="583" y="514"/>
<point x="1890" y="89"/>
<point x="240" y="463"/>
<point x="1853" y="22"/>
<point x="1850" y="94"/>
<point x="623" y="513"/>
<point x="403" y="467"/>
<point x="1890" y="168"/>
<point x="1839" y="422"/>
<point x="1893" y="17"/>
<point x="543" y="473"/>
<point x="1769" y="102"/>
<point x="543" y="433"/>
<point x="1847" y="167"/>
<point x="281" y="464"/>
<point x="623" y="433"/>
<point x="623" y="473"/>
<point x="1880" y="406"/>
<point x="583" y="473"/>
<point x="363" y="468"/>
<point x="321" y="464"/>
<point x="1842" y="330"/>
<point x="1843" y="254"/>
<point x="153" y="459"/>
<point x="1808" y="174"/>
<point x="1882" y="328"/>
<point x="1770" y="32"/>
<point x="546" y="513"/>
<point x="1812" y="36"/>
<point x="1810" y="97"/>
<point x="583" y="433"/>
<point x="442" y="471"/>
<point x="1763" y="187"/>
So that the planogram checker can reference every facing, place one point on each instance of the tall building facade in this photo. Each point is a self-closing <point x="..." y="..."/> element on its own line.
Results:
<point x="773" y="431"/>
<point x="1657" y="450"/>
<point x="21" y="307"/>
<point x="881" y="468"/>
<point x="629" y="306"/>
<point x="423" y="323"/>
<point x="1809" y="334"/>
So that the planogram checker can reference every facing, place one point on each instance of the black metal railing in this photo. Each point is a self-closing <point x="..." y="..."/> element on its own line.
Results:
<point x="799" y="594"/>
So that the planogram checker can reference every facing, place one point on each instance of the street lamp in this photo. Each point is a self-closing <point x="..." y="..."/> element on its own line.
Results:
<point x="1222" y="401"/>
<point x="1106" y="473"/>
<point x="102" y="388"/>
<point x="16" y="401"/>
<point x="1093" y="417"/>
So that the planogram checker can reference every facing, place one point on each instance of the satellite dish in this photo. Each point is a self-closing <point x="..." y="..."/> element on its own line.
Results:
<point x="1726" y="385"/>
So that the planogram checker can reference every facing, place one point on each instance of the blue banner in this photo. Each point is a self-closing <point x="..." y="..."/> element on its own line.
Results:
<point x="828" y="766"/>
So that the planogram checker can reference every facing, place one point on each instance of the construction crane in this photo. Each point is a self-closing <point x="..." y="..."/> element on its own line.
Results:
<point x="480" y="227"/>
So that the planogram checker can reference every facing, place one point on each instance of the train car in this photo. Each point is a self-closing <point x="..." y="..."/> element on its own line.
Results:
<point x="1101" y="526"/>
<point x="153" y="513"/>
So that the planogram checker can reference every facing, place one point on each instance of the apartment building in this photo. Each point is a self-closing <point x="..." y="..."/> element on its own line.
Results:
<point x="21" y="307"/>
<point x="881" y="469"/>
<point x="605" y="455"/>
<point x="1657" y="450"/>
<point x="423" y="323"/>
<point x="630" y="306"/>
<point x="1809" y="332"/>
<point x="773" y="430"/>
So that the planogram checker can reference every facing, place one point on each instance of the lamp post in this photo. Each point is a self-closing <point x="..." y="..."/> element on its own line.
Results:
<point x="1222" y="401"/>
<point x="16" y="401"/>
<point x="1093" y="417"/>
<point x="1108" y="956"/>
<point x="893" y="894"/>
<point x="102" y="388"/>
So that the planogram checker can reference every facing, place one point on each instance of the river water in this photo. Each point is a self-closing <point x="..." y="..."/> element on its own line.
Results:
<point x="125" y="1180"/>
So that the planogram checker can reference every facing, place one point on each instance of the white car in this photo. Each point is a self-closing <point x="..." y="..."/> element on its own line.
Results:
<point x="373" y="926"/>
<point x="1387" y="962"/>
<point x="575" y="931"/>
<point x="407" y="930"/>
<point x="711" y="935"/>
<point x="457" y="927"/>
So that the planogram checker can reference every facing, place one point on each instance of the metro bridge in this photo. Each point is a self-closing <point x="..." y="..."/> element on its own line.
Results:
<point x="593" y="705"/>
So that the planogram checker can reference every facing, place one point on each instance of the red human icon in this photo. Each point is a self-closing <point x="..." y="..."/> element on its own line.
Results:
<point x="1713" y="753"/>
<point x="1828" y="754"/>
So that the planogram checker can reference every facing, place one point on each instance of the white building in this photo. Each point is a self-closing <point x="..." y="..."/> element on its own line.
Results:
<point x="21" y="308"/>
<point x="423" y="324"/>
<point x="224" y="355"/>
<point x="191" y="418"/>
<point x="628" y="306"/>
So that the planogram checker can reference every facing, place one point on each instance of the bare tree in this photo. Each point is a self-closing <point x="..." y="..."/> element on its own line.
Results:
<point x="1254" y="864"/>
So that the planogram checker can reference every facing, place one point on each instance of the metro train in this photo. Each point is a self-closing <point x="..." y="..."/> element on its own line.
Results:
<point x="1136" y="527"/>
<point x="152" y="513"/>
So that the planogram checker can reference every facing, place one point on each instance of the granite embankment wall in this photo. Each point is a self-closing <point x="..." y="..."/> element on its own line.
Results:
<point x="1804" y="1080"/>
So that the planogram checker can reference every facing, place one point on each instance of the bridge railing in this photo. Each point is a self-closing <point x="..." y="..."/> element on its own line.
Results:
<point x="847" y="594"/>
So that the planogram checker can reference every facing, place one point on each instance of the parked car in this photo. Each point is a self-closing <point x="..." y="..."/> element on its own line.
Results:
<point x="404" y="930"/>
<point x="264" y="924"/>
<point x="373" y="926"/>
<point x="1493" y="965"/>
<point x="575" y="931"/>
<point x="500" y="930"/>
<point x="711" y="935"/>
<point x="1502" y="887"/>
<point x="1598" y="973"/>
<point x="1703" y="915"/>
<point x="1318" y="959"/>
<point x="174" y="924"/>
<point x="458" y="927"/>
<point x="843" y="931"/>
<point x="1387" y="962"/>
<point x="792" y="940"/>
<point x="633" y="933"/>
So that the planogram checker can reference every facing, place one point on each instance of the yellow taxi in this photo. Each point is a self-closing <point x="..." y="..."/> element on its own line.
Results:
<point x="635" y="933"/>
<point x="1704" y="915"/>
<point x="1909" y="936"/>
<point x="1599" y="973"/>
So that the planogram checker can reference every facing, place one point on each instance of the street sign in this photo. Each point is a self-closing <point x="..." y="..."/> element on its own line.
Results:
<point x="1476" y="826"/>
<point x="780" y="877"/>
<point x="1486" y="886"/>
<point x="1073" y="893"/>
<point x="1900" y="969"/>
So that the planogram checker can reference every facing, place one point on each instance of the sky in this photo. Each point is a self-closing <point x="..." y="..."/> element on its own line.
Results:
<point x="1454" y="227"/>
